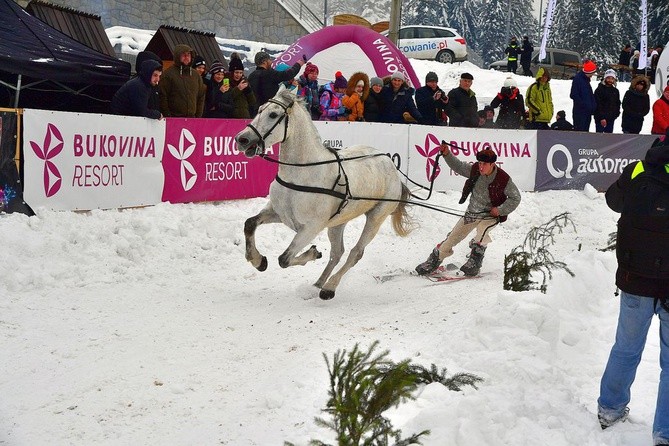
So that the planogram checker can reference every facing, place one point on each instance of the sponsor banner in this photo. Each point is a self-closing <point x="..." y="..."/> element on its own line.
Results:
<point x="570" y="160"/>
<point x="516" y="153"/>
<point x="386" y="138"/>
<point x="202" y="163"/>
<point x="87" y="161"/>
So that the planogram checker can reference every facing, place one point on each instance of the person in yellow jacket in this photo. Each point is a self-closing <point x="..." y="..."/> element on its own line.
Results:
<point x="539" y="102"/>
<point x="356" y="95"/>
<point x="182" y="92"/>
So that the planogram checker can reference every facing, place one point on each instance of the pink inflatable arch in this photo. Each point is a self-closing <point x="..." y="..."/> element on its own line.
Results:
<point x="381" y="52"/>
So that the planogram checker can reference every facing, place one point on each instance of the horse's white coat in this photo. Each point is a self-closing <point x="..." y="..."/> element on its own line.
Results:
<point x="308" y="213"/>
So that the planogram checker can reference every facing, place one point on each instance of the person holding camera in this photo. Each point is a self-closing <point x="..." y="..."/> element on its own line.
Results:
<point x="431" y="101"/>
<point x="511" y="106"/>
<point x="218" y="103"/>
<point x="242" y="96"/>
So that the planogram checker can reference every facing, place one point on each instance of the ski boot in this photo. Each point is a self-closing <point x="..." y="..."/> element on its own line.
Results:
<point x="473" y="265"/>
<point x="431" y="264"/>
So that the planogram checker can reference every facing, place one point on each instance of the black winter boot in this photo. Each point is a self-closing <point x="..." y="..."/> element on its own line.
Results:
<point x="430" y="265"/>
<point x="473" y="265"/>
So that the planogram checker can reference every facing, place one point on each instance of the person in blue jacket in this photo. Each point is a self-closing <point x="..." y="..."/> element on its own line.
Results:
<point x="583" y="97"/>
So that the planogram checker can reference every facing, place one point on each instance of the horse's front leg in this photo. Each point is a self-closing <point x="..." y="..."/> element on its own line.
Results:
<point x="267" y="215"/>
<point x="304" y="235"/>
<point x="336" y="236"/>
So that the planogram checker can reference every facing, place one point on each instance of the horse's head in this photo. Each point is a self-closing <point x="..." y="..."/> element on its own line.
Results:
<point x="270" y="125"/>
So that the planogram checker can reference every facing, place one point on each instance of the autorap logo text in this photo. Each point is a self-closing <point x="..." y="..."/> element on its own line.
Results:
<point x="560" y="162"/>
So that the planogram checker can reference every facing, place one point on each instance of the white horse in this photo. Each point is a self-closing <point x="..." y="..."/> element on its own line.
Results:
<point x="318" y="188"/>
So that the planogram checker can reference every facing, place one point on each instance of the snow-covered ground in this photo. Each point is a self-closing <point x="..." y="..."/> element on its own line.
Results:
<point x="147" y="326"/>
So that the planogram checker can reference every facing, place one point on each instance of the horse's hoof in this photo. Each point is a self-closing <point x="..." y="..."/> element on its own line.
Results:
<point x="326" y="294"/>
<point x="317" y="253"/>
<point x="263" y="264"/>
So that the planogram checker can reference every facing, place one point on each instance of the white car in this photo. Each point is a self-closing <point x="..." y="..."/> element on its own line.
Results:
<point x="432" y="43"/>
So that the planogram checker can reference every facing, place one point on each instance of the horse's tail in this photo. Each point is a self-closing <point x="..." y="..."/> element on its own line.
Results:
<point x="402" y="222"/>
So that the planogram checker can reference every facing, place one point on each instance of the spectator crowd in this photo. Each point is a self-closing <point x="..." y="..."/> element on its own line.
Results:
<point x="190" y="88"/>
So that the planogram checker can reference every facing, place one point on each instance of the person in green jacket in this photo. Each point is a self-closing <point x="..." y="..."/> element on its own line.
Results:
<point x="539" y="102"/>
<point x="182" y="92"/>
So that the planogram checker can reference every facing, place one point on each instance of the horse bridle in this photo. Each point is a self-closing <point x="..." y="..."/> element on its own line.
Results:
<point x="261" y="146"/>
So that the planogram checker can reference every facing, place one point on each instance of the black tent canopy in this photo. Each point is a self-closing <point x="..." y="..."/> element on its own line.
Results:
<point x="32" y="52"/>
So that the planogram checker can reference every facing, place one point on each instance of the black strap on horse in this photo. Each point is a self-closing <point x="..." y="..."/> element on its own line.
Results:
<point x="283" y="118"/>
<point x="344" y="196"/>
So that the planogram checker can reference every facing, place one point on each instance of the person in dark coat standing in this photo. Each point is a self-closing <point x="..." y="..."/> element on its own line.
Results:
<point x="182" y="91"/>
<point x="511" y="106"/>
<point x="512" y="51"/>
<point x="642" y="250"/>
<point x="398" y="100"/>
<point x="607" y="97"/>
<point x="583" y="97"/>
<point x="265" y="80"/>
<point x="526" y="56"/>
<point x="431" y="101"/>
<point x="218" y="103"/>
<point x="636" y="105"/>
<point x="462" y="106"/>
<point x="624" y="71"/>
<point x="154" y="98"/>
<point x="561" y="122"/>
<point x="374" y="104"/>
<point x="132" y="99"/>
<point x="243" y="98"/>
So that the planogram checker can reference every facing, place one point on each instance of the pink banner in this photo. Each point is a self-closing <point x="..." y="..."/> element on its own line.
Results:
<point x="202" y="163"/>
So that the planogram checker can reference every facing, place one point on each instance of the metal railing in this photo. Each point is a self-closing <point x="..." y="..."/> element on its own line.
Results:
<point x="301" y="12"/>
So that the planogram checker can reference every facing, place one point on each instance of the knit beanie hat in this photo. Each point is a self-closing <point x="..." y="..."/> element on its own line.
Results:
<point x="431" y="76"/>
<point x="610" y="73"/>
<point x="235" y="63"/>
<point x="340" y="80"/>
<point x="360" y="83"/>
<point x="310" y="68"/>
<point x="486" y="156"/>
<point x="216" y="67"/>
<point x="589" y="67"/>
<point x="198" y="61"/>
<point x="397" y="75"/>
<point x="375" y="81"/>
<point x="510" y="82"/>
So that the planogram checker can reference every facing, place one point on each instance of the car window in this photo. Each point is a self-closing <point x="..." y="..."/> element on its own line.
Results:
<point x="565" y="59"/>
<point x="443" y="33"/>
<point x="545" y="61"/>
<point x="406" y="33"/>
<point x="424" y="33"/>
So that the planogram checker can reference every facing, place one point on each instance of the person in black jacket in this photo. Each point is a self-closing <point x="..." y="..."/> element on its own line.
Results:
<point x="132" y="99"/>
<point x="511" y="106"/>
<point x="512" y="51"/>
<point x="561" y="122"/>
<point x="219" y="101"/>
<point x="431" y="101"/>
<point x="265" y="80"/>
<point x="607" y="98"/>
<point x="374" y="102"/>
<point x="526" y="56"/>
<point x="462" y="106"/>
<point x="641" y="195"/>
<point x="636" y="105"/>
<point x="398" y="101"/>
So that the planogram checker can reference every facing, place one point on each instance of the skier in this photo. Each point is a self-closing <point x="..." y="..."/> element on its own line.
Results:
<point x="493" y="197"/>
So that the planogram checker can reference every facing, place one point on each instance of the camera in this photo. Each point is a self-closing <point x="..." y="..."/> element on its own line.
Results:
<point x="506" y="91"/>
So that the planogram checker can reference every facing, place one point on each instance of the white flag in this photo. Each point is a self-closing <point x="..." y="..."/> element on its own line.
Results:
<point x="643" y="41"/>
<point x="548" y="24"/>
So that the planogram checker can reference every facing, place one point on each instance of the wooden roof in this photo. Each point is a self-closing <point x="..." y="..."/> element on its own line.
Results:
<point x="203" y="43"/>
<point x="81" y="26"/>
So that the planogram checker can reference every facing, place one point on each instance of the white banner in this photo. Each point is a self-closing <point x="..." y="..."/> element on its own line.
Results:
<point x="548" y="24"/>
<point x="85" y="161"/>
<point x="643" y="40"/>
<point x="516" y="153"/>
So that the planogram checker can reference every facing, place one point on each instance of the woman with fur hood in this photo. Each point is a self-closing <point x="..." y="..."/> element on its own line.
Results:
<point x="636" y="105"/>
<point x="356" y="95"/>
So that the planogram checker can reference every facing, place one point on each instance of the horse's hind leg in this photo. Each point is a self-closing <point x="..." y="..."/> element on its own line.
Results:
<point x="267" y="215"/>
<point x="374" y="220"/>
<point x="304" y="235"/>
<point x="336" y="236"/>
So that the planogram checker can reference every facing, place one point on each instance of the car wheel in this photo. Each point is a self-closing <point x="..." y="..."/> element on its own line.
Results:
<point x="444" y="56"/>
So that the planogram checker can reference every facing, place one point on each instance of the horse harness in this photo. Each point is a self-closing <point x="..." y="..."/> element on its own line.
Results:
<point x="283" y="118"/>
